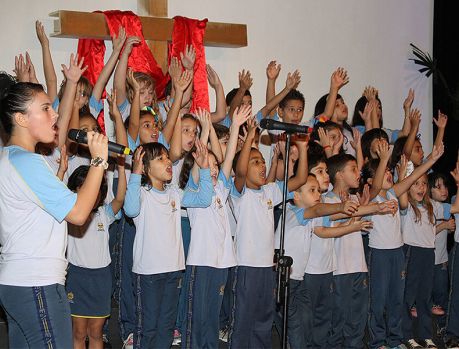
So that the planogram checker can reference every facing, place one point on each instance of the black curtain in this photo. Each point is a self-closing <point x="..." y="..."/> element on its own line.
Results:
<point x="446" y="55"/>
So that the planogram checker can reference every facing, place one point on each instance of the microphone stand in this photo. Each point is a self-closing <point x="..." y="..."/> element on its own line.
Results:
<point x="284" y="262"/>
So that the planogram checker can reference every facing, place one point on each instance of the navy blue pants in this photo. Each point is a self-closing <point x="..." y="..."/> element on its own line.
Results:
<point x="318" y="316"/>
<point x="452" y="319"/>
<point x="350" y="310"/>
<point x="297" y="310"/>
<point x="253" y="309"/>
<point x="156" y="309"/>
<point x="440" y="289"/>
<point x="227" y="302"/>
<point x="38" y="317"/>
<point x="418" y="291"/>
<point x="205" y="294"/>
<point x="181" y="313"/>
<point x="387" y="284"/>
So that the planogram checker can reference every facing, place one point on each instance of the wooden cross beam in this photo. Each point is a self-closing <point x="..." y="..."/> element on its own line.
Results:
<point x="157" y="29"/>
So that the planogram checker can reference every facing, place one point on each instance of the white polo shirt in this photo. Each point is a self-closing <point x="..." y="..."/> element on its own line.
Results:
<point x="33" y="206"/>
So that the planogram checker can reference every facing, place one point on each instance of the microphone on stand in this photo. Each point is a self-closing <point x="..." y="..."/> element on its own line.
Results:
<point x="270" y="124"/>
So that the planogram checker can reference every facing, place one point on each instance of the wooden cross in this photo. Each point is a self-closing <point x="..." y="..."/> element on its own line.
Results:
<point x="157" y="29"/>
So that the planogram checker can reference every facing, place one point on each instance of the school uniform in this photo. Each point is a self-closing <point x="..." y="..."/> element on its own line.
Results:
<point x="387" y="277"/>
<point x="89" y="281"/>
<point x="350" y="291"/>
<point x="33" y="236"/>
<point x="254" y="287"/>
<point x="158" y="254"/>
<point x="419" y="239"/>
<point x="297" y="244"/>
<point x="210" y="255"/>
<point x="452" y="316"/>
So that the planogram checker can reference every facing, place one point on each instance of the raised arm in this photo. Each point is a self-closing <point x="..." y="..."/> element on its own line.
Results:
<point x="301" y="175"/>
<point x="244" y="156"/>
<point x="272" y="174"/>
<point x="48" y="66"/>
<point x="119" y="80"/>
<point x="31" y="69"/>
<point x="72" y="75"/>
<point x="406" y="110"/>
<point x="415" y="120"/>
<point x="245" y="83"/>
<point x="120" y="131"/>
<point x="216" y="84"/>
<point x="188" y="58"/>
<point x="357" y="145"/>
<point x="180" y="85"/>
<point x="455" y="174"/>
<point x="272" y="73"/>
<point x="118" y="201"/>
<point x="441" y="122"/>
<point x="292" y="82"/>
<point x="118" y="42"/>
<point x="203" y="117"/>
<point x="338" y="79"/>
<point x="404" y="186"/>
<point x="383" y="152"/>
<point x="132" y="197"/>
<point x="134" y="115"/>
<point x="327" y="209"/>
<point x="241" y="115"/>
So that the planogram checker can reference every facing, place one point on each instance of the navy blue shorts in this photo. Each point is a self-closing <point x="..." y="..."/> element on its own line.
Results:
<point x="89" y="291"/>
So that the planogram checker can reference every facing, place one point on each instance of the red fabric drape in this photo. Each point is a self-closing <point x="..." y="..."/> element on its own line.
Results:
<point x="141" y="58"/>
<point x="189" y="31"/>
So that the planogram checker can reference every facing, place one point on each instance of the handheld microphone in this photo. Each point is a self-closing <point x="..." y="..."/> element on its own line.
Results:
<point x="270" y="124"/>
<point x="81" y="137"/>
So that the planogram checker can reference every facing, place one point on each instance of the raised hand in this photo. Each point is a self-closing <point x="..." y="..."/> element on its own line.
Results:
<point x="293" y="80"/>
<point x="118" y="41"/>
<point x="369" y="107"/>
<point x="112" y="103"/>
<point x="272" y="70"/>
<point x="251" y="127"/>
<point x="402" y="167"/>
<point x="212" y="77"/>
<point x="415" y="117"/>
<point x="245" y="80"/>
<point x="203" y="117"/>
<point x="383" y="151"/>
<point x="132" y="81"/>
<point x="370" y="93"/>
<point x="355" y="143"/>
<point x="364" y="198"/>
<point x="241" y="115"/>
<point x="324" y="138"/>
<point x="338" y="144"/>
<point x="31" y="69"/>
<point x="182" y="83"/>
<point x="441" y="120"/>
<point x="201" y="155"/>
<point x="339" y="78"/>
<point x="130" y="43"/>
<point x="437" y="152"/>
<point x="40" y="30"/>
<point x="168" y="104"/>
<point x="20" y="69"/>
<point x="188" y="58"/>
<point x="175" y="68"/>
<point x="455" y="173"/>
<point x="75" y="69"/>
<point x="137" y="166"/>
<point x="408" y="102"/>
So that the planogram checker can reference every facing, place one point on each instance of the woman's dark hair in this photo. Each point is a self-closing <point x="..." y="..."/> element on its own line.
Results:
<point x="359" y="108"/>
<point x="15" y="98"/>
<point x="397" y="151"/>
<point x="368" y="137"/>
<point x="152" y="151"/>
<point x="78" y="177"/>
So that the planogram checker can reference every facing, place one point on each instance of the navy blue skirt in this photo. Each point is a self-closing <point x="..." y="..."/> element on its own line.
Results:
<point x="89" y="291"/>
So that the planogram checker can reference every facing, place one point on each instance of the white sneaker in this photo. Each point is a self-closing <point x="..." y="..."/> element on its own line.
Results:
<point x="129" y="342"/>
<point x="177" y="338"/>
<point x="412" y="344"/>
<point x="223" y="334"/>
<point x="428" y="343"/>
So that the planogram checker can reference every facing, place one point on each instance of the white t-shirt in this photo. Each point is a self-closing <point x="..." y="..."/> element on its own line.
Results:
<point x="442" y="213"/>
<point x="33" y="206"/>
<point x="297" y="241"/>
<point x="91" y="250"/>
<point x="158" y="246"/>
<point x="350" y="255"/>
<point x="420" y="234"/>
<point x="254" y="212"/>
<point x="211" y="242"/>
<point x="386" y="232"/>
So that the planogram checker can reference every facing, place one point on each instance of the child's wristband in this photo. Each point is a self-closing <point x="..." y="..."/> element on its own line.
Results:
<point x="327" y="146"/>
